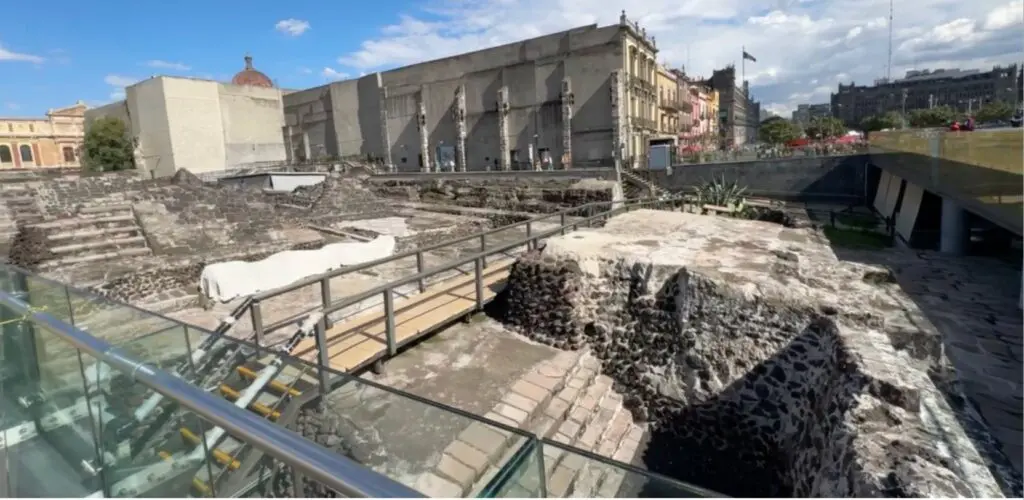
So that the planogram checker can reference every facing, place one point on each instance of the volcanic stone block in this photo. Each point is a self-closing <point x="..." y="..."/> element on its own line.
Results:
<point x="752" y="351"/>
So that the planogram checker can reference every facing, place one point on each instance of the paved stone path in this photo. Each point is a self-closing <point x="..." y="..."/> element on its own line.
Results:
<point x="972" y="302"/>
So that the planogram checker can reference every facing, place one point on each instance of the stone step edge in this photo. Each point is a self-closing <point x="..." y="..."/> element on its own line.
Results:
<point x="561" y="467"/>
<point x="90" y="233"/>
<point x="127" y="252"/>
<point x="596" y="476"/>
<point x="554" y="414"/>
<point x="479" y="447"/>
<point x="82" y="221"/>
<point x="126" y="242"/>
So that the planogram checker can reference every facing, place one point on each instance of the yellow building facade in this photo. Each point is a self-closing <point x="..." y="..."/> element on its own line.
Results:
<point x="640" y="97"/>
<point x="668" y="103"/>
<point x="53" y="141"/>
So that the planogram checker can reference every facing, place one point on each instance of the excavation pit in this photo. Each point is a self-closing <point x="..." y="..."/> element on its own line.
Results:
<point x="762" y="362"/>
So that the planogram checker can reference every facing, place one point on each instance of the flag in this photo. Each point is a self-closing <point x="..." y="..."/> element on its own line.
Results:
<point x="746" y="55"/>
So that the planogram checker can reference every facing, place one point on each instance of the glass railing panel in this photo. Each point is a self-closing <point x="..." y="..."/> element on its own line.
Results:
<point x="521" y="477"/>
<point x="569" y="473"/>
<point x="50" y="443"/>
<point x="113" y="322"/>
<point x="140" y="429"/>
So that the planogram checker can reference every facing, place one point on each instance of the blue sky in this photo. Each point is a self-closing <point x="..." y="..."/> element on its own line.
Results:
<point x="91" y="49"/>
<point x="85" y="42"/>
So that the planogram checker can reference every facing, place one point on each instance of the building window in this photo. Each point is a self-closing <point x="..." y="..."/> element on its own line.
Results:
<point x="31" y="127"/>
<point x="26" y="153"/>
<point x="5" y="154"/>
<point x="69" y="154"/>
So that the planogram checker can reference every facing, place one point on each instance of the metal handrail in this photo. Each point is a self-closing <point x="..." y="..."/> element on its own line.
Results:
<point x="332" y="470"/>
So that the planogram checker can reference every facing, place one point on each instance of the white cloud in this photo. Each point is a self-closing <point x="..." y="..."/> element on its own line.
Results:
<point x="292" y="27"/>
<point x="333" y="74"/>
<point x="793" y="40"/>
<point x="119" y="82"/>
<point x="305" y="71"/>
<point x="12" y="105"/>
<point x="8" y="55"/>
<point x="175" y="66"/>
<point x="1005" y="16"/>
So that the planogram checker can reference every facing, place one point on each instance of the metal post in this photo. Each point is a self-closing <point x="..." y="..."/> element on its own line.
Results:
<point x="257" y="321"/>
<point x="479" y="284"/>
<point x="419" y="269"/>
<point x="562" y="222"/>
<point x="325" y="297"/>
<point x="529" y="233"/>
<point x="322" y="356"/>
<point x="483" y="247"/>
<point x="389" y="321"/>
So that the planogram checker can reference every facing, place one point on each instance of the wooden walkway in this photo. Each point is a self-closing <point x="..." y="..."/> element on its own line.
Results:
<point x="360" y="339"/>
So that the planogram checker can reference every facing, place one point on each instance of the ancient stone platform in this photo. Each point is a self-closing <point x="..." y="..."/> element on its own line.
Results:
<point x="754" y="352"/>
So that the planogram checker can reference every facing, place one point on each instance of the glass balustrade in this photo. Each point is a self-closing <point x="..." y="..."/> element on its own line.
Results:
<point x="75" y="426"/>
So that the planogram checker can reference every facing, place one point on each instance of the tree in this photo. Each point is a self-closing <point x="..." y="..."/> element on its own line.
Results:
<point x="884" y="121"/>
<point x="825" y="127"/>
<point x="995" y="111"/>
<point x="939" y="116"/>
<point x="777" y="130"/>
<point x="108" y="146"/>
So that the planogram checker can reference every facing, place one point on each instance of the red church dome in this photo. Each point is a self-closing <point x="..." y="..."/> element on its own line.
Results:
<point x="250" y="76"/>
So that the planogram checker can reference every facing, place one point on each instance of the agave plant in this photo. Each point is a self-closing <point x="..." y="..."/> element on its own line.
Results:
<point x="722" y="193"/>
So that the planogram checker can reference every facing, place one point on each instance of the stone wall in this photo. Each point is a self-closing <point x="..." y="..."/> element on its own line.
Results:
<point x="830" y="178"/>
<point x="520" y="195"/>
<point x="763" y="364"/>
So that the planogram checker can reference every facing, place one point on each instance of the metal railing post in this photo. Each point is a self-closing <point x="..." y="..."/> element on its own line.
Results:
<point x="479" y="284"/>
<point x="257" y="321"/>
<point x="529" y="234"/>
<point x="419" y="269"/>
<point x="325" y="297"/>
<point x="483" y="247"/>
<point x="389" y="322"/>
<point x="562" y="223"/>
<point x="323" y="358"/>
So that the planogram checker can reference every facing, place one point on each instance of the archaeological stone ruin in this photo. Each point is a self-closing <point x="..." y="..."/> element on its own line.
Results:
<point x="753" y="360"/>
<point x="764" y="365"/>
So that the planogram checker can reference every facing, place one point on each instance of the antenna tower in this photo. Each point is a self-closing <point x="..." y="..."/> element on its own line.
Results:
<point x="888" y="66"/>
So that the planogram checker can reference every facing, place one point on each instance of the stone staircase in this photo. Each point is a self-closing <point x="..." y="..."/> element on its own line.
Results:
<point x="638" y="187"/>
<point x="94" y="234"/>
<point x="565" y="399"/>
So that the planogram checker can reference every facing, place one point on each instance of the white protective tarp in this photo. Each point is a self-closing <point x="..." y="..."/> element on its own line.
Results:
<point x="226" y="281"/>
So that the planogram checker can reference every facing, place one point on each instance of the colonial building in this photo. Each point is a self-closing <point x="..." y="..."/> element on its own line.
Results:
<point x="575" y="97"/>
<point x="963" y="90"/>
<point x="669" y="104"/>
<point x="53" y="141"/>
<point x="204" y="126"/>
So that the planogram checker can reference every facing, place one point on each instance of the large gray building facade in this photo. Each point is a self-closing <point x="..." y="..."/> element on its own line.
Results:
<point x="963" y="90"/>
<point x="552" y="99"/>
<point x="738" y="114"/>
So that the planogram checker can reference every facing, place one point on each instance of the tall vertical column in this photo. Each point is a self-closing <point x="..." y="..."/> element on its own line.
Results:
<point x="953" y="236"/>
<point x="615" y="92"/>
<point x="385" y="136"/>
<point x="460" y="128"/>
<point x="421" y="126"/>
<point x="503" y="142"/>
<point x="568" y="100"/>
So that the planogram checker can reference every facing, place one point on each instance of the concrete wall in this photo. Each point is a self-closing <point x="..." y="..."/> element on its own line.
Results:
<point x="533" y="71"/>
<point x="201" y="125"/>
<point x="830" y="178"/>
<point x="253" y="121"/>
